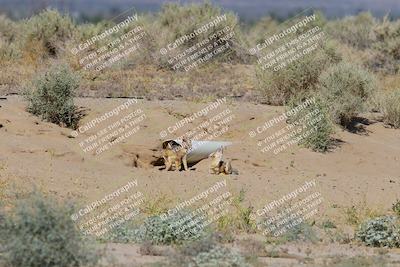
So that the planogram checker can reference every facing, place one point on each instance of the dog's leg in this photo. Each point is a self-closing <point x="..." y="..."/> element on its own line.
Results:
<point x="168" y="164"/>
<point x="184" y="160"/>
<point x="177" y="165"/>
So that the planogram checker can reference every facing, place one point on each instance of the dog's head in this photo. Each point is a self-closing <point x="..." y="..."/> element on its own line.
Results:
<point x="217" y="155"/>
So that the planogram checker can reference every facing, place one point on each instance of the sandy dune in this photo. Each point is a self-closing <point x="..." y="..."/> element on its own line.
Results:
<point x="364" y="166"/>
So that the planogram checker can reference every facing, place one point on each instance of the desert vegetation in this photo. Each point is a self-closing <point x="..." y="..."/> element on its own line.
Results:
<point x="354" y="76"/>
<point x="358" y="62"/>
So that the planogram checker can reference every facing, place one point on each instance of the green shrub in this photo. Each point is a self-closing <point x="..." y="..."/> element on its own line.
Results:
<point x="391" y="108"/>
<point x="127" y="232"/>
<point x="238" y="218"/>
<point x="168" y="231"/>
<point x="328" y="224"/>
<point x="386" y="48"/>
<point x="39" y="232"/>
<point x="345" y="89"/>
<point x="265" y="26"/>
<point x="314" y="120"/>
<point x="396" y="207"/>
<point x="298" y="77"/>
<point x="52" y="98"/>
<point x="176" y="20"/>
<point x="160" y="231"/>
<point x="380" y="232"/>
<point x="9" y="34"/>
<point x="356" y="31"/>
<point x="50" y="29"/>
<point x="207" y="253"/>
<point x="302" y="231"/>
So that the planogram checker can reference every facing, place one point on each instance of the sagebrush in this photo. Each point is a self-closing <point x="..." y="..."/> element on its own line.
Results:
<point x="345" y="88"/>
<point x="39" y="232"/>
<point x="52" y="98"/>
<point x="380" y="232"/>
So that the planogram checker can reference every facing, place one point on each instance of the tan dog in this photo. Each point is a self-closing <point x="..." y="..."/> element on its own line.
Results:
<point x="175" y="153"/>
<point x="218" y="165"/>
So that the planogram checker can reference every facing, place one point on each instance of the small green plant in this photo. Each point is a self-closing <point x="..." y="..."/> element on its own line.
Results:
<point x="52" y="98"/>
<point x="355" y="214"/>
<point x="302" y="231"/>
<point x="207" y="252"/>
<point x="396" y="207"/>
<point x="174" y="229"/>
<point x="39" y="232"/>
<point x="345" y="88"/>
<point x="380" y="232"/>
<point x="128" y="232"/>
<point x="313" y="119"/>
<point x="238" y="219"/>
<point x="328" y="224"/>
<point x="391" y="108"/>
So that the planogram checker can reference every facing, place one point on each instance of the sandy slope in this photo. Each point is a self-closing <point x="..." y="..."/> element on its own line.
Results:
<point x="32" y="152"/>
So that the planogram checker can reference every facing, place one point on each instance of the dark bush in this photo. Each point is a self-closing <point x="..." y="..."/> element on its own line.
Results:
<point x="345" y="88"/>
<point x="52" y="97"/>
<point x="39" y="232"/>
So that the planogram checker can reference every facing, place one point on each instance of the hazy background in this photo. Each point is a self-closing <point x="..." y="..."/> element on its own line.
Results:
<point x="93" y="10"/>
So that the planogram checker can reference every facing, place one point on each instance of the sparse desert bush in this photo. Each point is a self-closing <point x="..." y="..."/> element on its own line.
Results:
<point x="263" y="27"/>
<point x="356" y="214"/>
<point x="3" y="187"/>
<point x="358" y="261"/>
<point x="328" y="224"/>
<point x="238" y="219"/>
<point x="345" y="89"/>
<point x="356" y="31"/>
<point x="207" y="253"/>
<point x="9" y="34"/>
<point x="300" y="232"/>
<point x="298" y="77"/>
<point x="52" y="97"/>
<point x="174" y="229"/>
<point x="386" y="48"/>
<point x="391" y="108"/>
<point x="316" y="125"/>
<point x="175" y="21"/>
<point x="46" y="34"/>
<point x="396" y="207"/>
<point x="380" y="232"/>
<point x="39" y="232"/>
<point x="128" y="232"/>
<point x="157" y="231"/>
